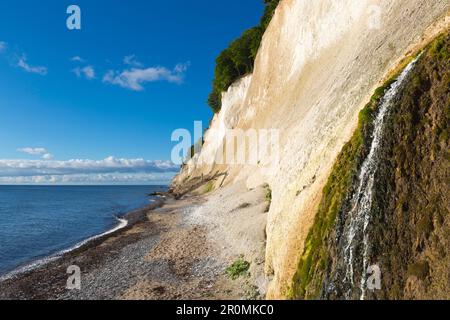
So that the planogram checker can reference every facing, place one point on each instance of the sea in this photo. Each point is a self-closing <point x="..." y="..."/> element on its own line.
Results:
<point x="39" y="223"/>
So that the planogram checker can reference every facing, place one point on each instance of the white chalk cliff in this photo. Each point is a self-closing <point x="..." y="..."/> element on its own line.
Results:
<point x="318" y="65"/>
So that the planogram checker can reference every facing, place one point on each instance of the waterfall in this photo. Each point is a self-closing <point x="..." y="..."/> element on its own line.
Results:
<point x="355" y="233"/>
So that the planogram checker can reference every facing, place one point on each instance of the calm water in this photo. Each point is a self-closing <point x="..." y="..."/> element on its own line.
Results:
<point x="36" y="221"/>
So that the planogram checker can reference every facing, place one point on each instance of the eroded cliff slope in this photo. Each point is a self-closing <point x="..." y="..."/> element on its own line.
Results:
<point x="385" y="210"/>
<point x="317" y="67"/>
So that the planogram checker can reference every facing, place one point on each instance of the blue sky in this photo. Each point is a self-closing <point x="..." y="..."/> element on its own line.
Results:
<point x="110" y="93"/>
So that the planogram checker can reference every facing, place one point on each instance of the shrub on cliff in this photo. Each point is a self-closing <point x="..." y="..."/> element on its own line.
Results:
<point x="238" y="59"/>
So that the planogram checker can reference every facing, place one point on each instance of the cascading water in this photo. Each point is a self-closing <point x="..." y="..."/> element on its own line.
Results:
<point x="356" y="237"/>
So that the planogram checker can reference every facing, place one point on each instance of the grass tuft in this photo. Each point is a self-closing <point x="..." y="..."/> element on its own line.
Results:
<point x="238" y="269"/>
<point x="209" y="187"/>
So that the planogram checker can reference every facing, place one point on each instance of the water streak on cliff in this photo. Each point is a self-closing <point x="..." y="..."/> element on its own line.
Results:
<point x="361" y="204"/>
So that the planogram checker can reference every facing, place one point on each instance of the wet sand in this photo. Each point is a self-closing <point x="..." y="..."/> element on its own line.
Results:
<point x="157" y="256"/>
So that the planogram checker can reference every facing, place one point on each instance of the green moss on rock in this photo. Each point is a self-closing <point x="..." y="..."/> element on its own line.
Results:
<point x="308" y="280"/>
<point x="410" y="217"/>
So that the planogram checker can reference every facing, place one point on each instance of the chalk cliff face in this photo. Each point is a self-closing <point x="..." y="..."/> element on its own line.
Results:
<point x="317" y="67"/>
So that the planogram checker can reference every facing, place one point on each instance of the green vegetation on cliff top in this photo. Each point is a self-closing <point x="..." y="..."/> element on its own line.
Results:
<point x="238" y="59"/>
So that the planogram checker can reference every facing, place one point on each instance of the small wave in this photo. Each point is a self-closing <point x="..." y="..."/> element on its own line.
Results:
<point x="41" y="262"/>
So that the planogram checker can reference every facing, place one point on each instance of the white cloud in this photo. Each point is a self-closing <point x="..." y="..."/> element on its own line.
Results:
<point x="134" y="78"/>
<point x="77" y="59"/>
<point x="92" y="179"/>
<point x="110" y="165"/>
<point x="131" y="60"/>
<point x="3" y="46"/>
<point x="33" y="151"/>
<point x="22" y="63"/>
<point x="88" y="72"/>
<point x="37" y="152"/>
<point x="182" y="67"/>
